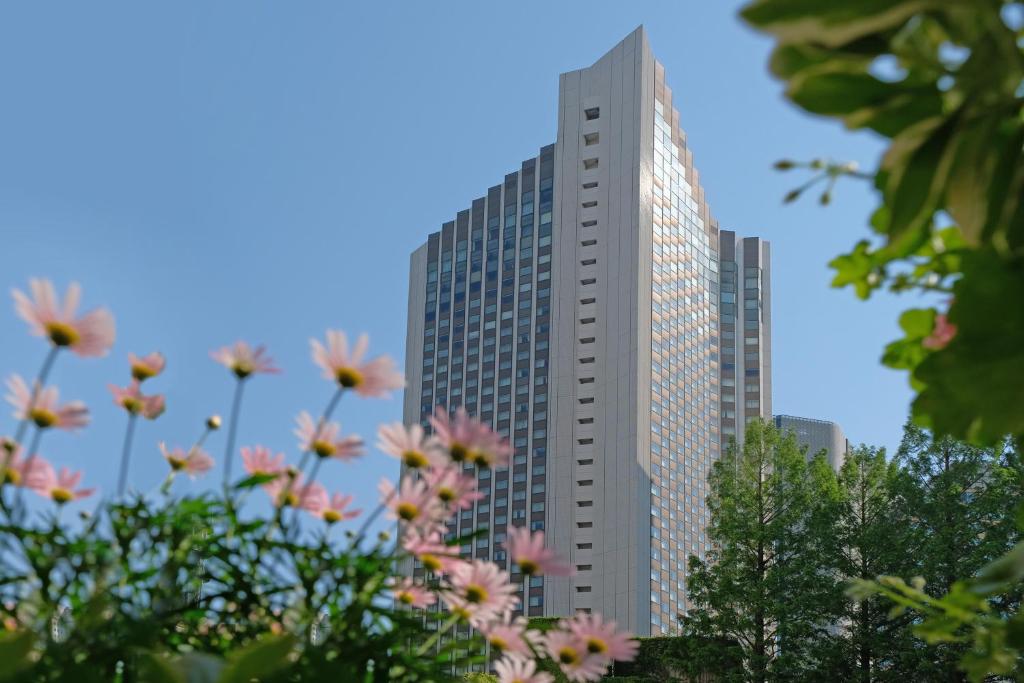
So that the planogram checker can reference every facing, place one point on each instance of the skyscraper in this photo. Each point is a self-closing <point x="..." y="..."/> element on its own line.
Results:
<point x="817" y="435"/>
<point x="575" y="307"/>
<point x="746" y="333"/>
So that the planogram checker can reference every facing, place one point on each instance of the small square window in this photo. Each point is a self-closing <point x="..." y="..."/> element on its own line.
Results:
<point x="592" y="113"/>
<point x="590" y="164"/>
<point x="591" y="139"/>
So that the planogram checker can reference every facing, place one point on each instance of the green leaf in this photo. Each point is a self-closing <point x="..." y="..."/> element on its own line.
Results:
<point x="973" y="385"/>
<point x="1001" y="573"/>
<point x="256" y="480"/>
<point x="157" y="669"/>
<point x="839" y="88"/>
<point x="262" y="658"/>
<point x="15" y="651"/>
<point x="917" y="164"/>
<point x="829" y="23"/>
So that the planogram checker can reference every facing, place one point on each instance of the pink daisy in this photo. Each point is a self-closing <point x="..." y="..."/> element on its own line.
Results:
<point x="570" y="653"/>
<point x="452" y="487"/>
<point x="509" y="635"/>
<point x="601" y="638"/>
<point x="60" y="488"/>
<point x="326" y="441"/>
<point x="16" y="470"/>
<point x="527" y="550"/>
<point x="407" y="592"/>
<point x="334" y="508"/>
<point x="147" y="366"/>
<point x="91" y="334"/>
<point x="373" y="378"/>
<point x="409" y="444"/>
<point x="45" y="410"/>
<point x="413" y="502"/>
<point x="193" y="463"/>
<point x="135" y="402"/>
<point x="520" y="670"/>
<point x="244" y="360"/>
<point x="288" y="492"/>
<point x="480" y="591"/>
<point x="430" y="549"/>
<point x="260" y="460"/>
<point x="941" y="335"/>
<point x="469" y="440"/>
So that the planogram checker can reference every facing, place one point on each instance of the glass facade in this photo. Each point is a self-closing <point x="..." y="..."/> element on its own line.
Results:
<point x="684" y="371"/>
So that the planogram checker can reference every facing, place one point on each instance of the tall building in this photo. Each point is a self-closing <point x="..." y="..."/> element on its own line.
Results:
<point x="746" y="333"/>
<point x="817" y="435"/>
<point x="575" y="307"/>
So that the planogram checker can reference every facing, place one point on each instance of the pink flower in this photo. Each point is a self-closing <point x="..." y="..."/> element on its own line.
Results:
<point x="410" y="445"/>
<point x="941" y="335"/>
<point x="61" y="488"/>
<point x="334" y="508"/>
<point x="408" y="592"/>
<point x="520" y="670"/>
<point x="373" y="378"/>
<point x="601" y="638"/>
<point x="16" y="470"/>
<point x="469" y="440"/>
<point x="194" y="462"/>
<point x="326" y="441"/>
<point x="260" y="460"/>
<point x="147" y="366"/>
<point x="135" y="402"/>
<point x="297" y="494"/>
<point x="413" y="502"/>
<point x="430" y="549"/>
<point x="509" y="635"/>
<point x="452" y="487"/>
<point x="89" y="335"/>
<point x="243" y="360"/>
<point x="480" y="591"/>
<point x="571" y="655"/>
<point x="45" y="410"/>
<point x="527" y="550"/>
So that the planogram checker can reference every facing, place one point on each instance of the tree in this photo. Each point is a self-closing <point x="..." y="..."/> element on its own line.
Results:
<point x="759" y="584"/>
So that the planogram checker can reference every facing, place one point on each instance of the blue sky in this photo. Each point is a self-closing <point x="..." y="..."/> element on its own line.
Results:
<point x="262" y="170"/>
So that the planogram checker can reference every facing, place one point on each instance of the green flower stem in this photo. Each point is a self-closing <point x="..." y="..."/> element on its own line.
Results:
<point x="44" y="373"/>
<point x="432" y="640"/>
<point x="126" y="453"/>
<point x="229" y="450"/>
<point x="32" y="453"/>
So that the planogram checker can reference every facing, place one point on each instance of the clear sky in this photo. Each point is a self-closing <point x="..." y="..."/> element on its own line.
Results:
<point x="262" y="170"/>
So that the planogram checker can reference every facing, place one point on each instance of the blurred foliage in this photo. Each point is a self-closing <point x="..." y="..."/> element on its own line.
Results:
<point x="186" y="590"/>
<point x="942" y="81"/>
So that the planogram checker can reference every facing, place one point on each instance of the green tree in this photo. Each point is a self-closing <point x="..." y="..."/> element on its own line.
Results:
<point x="758" y="585"/>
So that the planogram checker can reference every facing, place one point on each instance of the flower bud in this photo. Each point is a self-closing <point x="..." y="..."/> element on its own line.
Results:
<point x="384" y="537"/>
<point x="213" y="422"/>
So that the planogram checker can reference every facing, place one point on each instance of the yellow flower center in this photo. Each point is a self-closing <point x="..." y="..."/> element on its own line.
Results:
<point x="324" y="449"/>
<point x="332" y="516"/>
<point x="446" y="494"/>
<point x="596" y="646"/>
<point x="498" y="643"/>
<point x="405" y="598"/>
<point x="431" y="562"/>
<point x="11" y="476"/>
<point x="407" y="511"/>
<point x="458" y="452"/>
<point x="62" y="334"/>
<point x="480" y="458"/>
<point x="242" y="369"/>
<point x="568" y="655"/>
<point x="61" y="496"/>
<point x="414" y="459"/>
<point x="475" y="594"/>
<point x="43" y="418"/>
<point x="348" y="377"/>
<point x="289" y="499"/>
<point x="132" y="405"/>
<point x="177" y="464"/>
<point x="142" y="372"/>
<point x="528" y="567"/>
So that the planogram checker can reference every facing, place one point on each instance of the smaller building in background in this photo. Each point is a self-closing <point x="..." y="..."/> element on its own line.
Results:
<point x="817" y="435"/>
